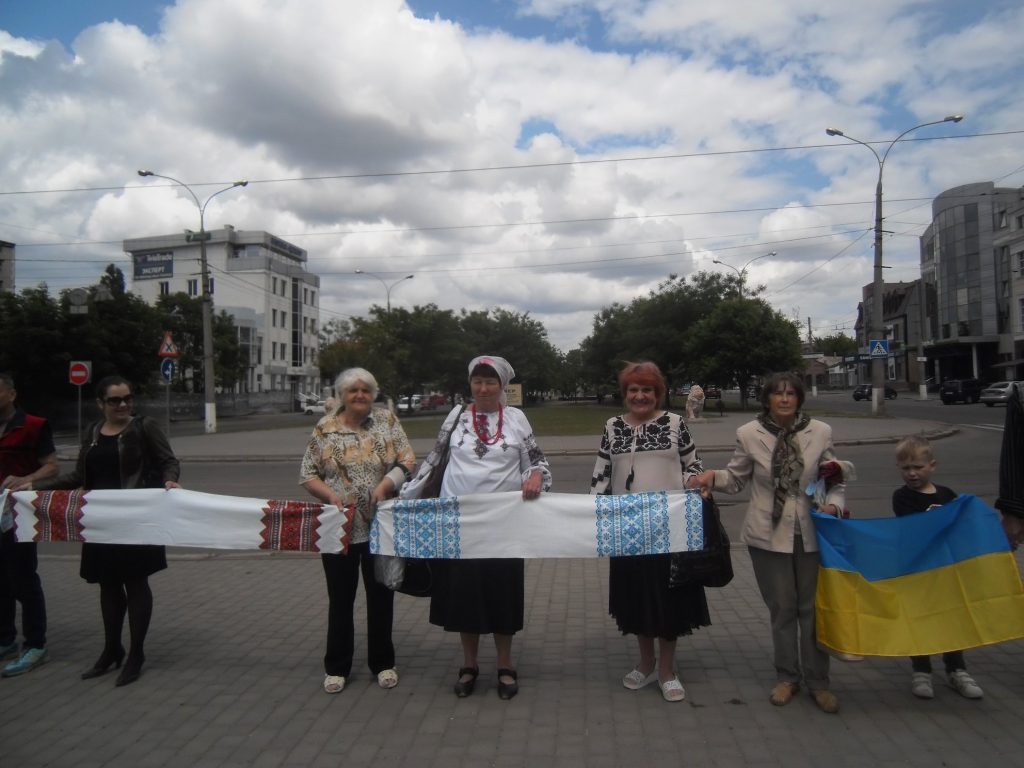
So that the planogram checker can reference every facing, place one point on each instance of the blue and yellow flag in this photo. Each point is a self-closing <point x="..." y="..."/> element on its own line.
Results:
<point x="942" y="580"/>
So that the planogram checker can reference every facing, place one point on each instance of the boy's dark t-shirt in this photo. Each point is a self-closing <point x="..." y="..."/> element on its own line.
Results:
<point x="906" y="501"/>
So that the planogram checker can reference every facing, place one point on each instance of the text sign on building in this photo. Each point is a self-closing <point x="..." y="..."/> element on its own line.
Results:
<point x="149" y="266"/>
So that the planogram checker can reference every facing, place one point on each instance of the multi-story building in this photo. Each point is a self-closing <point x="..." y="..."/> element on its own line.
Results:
<point x="901" y="310"/>
<point x="970" y="323"/>
<point x="971" y="257"/>
<point x="6" y="266"/>
<point x="257" y="278"/>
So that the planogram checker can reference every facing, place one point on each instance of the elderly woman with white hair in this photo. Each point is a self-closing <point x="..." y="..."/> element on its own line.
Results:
<point x="357" y="455"/>
<point x="492" y="450"/>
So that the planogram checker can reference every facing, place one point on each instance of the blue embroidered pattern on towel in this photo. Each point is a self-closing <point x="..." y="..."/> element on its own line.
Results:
<point x="632" y="524"/>
<point x="427" y="528"/>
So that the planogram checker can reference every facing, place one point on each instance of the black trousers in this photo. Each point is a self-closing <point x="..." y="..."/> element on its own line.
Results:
<point x="342" y="574"/>
<point x="19" y="583"/>
<point x="952" y="660"/>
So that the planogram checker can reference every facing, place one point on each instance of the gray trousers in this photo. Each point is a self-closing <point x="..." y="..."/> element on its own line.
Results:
<point x="788" y="583"/>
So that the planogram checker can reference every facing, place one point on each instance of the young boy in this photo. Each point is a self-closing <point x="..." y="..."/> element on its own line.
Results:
<point x="917" y="464"/>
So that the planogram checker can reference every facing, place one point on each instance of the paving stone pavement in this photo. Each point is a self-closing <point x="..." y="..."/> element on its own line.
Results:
<point x="234" y="671"/>
<point x="233" y="678"/>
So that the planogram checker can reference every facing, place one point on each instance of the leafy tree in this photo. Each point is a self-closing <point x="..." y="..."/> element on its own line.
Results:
<point x="655" y="327"/>
<point x="836" y="345"/>
<point x="741" y="339"/>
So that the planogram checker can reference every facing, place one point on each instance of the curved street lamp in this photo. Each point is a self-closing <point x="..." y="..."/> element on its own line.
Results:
<point x="878" y="286"/>
<point x="387" y="286"/>
<point x="743" y="272"/>
<point x="209" y="393"/>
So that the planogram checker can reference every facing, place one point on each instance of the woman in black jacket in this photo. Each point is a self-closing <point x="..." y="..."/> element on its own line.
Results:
<point x="121" y="451"/>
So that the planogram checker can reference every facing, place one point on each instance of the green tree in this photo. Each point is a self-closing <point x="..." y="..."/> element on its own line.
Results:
<point x="836" y="345"/>
<point x="742" y="339"/>
<point x="655" y="327"/>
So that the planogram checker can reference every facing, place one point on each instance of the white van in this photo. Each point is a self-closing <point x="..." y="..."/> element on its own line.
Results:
<point x="413" y="404"/>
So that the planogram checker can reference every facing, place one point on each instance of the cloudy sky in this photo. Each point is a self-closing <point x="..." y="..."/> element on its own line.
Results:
<point x="546" y="156"/>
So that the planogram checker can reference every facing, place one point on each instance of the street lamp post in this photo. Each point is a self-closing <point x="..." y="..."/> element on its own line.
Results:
<point x="209" y="390"/>
<point x="387" y="286"/>
<point x="743" y="272"/>
<point x="878" y="286"/>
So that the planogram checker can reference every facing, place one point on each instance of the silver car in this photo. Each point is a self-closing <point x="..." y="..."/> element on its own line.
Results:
<point x="997" y="393"/>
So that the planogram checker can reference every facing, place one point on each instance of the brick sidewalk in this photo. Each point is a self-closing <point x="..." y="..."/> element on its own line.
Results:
<point x="234" y="671"/>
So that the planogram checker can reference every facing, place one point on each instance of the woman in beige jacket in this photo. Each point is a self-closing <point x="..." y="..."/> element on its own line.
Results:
<point x="779" y="454"/>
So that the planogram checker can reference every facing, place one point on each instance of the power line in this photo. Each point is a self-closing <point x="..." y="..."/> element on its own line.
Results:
<point x="514" y="167"/>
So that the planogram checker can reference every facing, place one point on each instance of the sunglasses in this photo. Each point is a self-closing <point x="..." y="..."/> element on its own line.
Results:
<point x="116" y="401"/>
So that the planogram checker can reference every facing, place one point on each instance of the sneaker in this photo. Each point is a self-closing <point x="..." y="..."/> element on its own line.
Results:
<point x="9" y="652"/>
<point x="33" y="657"/>
<point x="921" y="685"/>
<point x="964" y="684"/>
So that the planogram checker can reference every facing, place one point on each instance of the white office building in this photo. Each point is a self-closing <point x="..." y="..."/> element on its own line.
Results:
<point x="257" y="278"/>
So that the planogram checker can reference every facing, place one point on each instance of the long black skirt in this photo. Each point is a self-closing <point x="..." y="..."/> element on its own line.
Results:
<point x="478" y="596"/>
<point x="642" y="603"/>
<point x="120" y="562"/>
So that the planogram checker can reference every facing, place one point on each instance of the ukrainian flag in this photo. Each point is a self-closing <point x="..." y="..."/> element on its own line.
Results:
<point x="942" y="580"/>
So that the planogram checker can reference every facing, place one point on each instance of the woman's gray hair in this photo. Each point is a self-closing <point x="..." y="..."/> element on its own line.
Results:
<point x="349" y="378"/>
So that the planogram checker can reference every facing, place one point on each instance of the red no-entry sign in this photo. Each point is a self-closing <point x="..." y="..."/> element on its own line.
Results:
<point x="80" y="372"/>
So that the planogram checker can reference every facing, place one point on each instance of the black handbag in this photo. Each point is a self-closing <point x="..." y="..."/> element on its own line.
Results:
<point x="417" y="573"/>
<point x="708" y="567"/>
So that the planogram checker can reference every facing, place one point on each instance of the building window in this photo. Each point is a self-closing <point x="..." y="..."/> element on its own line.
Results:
<point x="273" y="283"/>
<point x="312" y="298"/>
<point x="1020" y="307"/>
<point x="1020" y="264"/>
<point x="210" y="284"/>
<point x="1020" y="221"/>
<point x="165" y="287"/>
<point x="193" y="287"/>
<point x="305" y="296"/>
<point x="273" y="318"/>
<point x="1001" y="220"/>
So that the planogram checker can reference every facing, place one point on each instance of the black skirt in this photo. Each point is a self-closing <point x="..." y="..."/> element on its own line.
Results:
<point x="120" y="562"/>
<point x="642" y="603"/>
<point x="478" y="596"/>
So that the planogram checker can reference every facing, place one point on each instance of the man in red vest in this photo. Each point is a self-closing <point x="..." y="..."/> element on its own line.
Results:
<point x="27" y="454"/>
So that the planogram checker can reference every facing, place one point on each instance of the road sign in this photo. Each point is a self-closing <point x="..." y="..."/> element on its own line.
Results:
<point x="879" y="347"/>
<point x="167" y="347"/>
<point x="80" y="372"/>
<point x="167" y="369"/>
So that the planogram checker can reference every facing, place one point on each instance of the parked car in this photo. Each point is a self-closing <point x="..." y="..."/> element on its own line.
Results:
<point x="863" y="392"/>
<point x="997" y="393"/>
<point x="411" y="404"/>
<point x="312" y="407"/>
<point x="712" y="391"/>
<point x="960" y="391"/>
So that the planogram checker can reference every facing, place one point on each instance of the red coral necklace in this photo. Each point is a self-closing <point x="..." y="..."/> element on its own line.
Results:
<point x="483" y="438"/>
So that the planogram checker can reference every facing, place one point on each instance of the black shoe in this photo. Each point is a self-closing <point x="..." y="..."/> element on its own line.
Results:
<point x="102" y="665"/>
<point x="507" y="690"/>
<point x="464" y="688"/>
<point x="131" y="672"/>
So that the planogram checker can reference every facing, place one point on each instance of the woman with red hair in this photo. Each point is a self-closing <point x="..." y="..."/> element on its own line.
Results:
<point x="649" y="449"/>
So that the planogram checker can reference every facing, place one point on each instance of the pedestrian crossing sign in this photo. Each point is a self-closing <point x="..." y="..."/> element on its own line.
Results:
<point x="879" y="347"/>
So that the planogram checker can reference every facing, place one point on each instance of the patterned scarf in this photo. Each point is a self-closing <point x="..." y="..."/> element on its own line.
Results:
<point x="787" y="460"/>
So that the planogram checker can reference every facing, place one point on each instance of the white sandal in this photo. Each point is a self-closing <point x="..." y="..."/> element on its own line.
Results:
<point x="635" y="680"/>
<point x="334" y="683"/>
<point x="387" y="678"/>
<point x="672" y="690"/>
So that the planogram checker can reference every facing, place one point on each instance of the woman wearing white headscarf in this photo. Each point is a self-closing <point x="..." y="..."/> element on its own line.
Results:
<point x="492" y="450"/>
